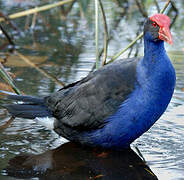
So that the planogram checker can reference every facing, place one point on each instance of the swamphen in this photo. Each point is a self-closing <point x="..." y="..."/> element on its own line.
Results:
<point x="114" y="105"/>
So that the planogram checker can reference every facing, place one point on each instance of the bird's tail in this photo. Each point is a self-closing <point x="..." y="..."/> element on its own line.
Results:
<point x="29" y="107"/>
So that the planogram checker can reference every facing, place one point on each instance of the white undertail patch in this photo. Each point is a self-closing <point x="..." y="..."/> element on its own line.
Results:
<point x="48" y="122"/>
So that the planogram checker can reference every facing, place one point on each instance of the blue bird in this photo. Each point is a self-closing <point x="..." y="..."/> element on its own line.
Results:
<point x="114" y="105"/>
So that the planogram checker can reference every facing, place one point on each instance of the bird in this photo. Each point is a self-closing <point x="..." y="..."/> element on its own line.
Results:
<point x="114" y="105"/>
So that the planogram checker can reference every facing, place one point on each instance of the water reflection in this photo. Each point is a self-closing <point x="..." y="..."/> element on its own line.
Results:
<point x="71" y="161"/>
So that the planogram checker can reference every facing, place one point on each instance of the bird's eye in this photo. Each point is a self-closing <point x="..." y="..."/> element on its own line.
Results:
<point x="154" y="24"/>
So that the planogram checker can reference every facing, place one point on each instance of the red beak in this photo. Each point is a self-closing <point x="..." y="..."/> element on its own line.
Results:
<point x="165" y="35"/>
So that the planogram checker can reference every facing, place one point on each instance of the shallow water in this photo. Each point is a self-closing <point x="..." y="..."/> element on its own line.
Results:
<point x="66" y="49"/>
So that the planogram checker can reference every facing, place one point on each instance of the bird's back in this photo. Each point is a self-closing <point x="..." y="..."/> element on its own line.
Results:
<point x="84" y="105"/>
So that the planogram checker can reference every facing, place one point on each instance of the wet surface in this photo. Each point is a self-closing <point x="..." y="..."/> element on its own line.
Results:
<point x="65" y="48"/>
<point x="71" y="161"/>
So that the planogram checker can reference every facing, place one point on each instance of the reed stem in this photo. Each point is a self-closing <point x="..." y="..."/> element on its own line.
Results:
<point x="36" y="9"/>
<point x="136" y="39"/>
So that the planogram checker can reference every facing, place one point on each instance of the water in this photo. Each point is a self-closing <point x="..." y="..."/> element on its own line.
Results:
<point x="66" y="49"/>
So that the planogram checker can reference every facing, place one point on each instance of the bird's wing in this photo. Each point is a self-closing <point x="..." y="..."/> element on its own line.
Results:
<point x="85" y="104"/>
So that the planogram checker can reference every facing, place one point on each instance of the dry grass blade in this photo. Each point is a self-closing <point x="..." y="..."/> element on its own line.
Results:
<point x="6" y="125"/>
<point x="130" y="45"/>
<point x="8" y="79"/>
<point x="3" y="72"/>
<point x="97" y="33"/>
<point x="36" y="10"/>
<point x="25" y="59"/>
<point x="166" y="5"/>
<point x="105" y="33"/>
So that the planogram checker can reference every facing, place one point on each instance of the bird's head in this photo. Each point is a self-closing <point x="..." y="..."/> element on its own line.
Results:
<point x="157" y="28"/>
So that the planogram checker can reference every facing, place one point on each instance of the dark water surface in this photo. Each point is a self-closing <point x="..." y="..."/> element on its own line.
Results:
<point x="65" y="48"/>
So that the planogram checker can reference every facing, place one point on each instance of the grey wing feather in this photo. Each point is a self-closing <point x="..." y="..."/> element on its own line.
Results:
<point x="85" y="104"/>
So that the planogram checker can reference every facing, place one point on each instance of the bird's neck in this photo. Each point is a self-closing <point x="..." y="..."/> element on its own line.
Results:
<point x="154" y="52"/>
<point x="155" y="65"/>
